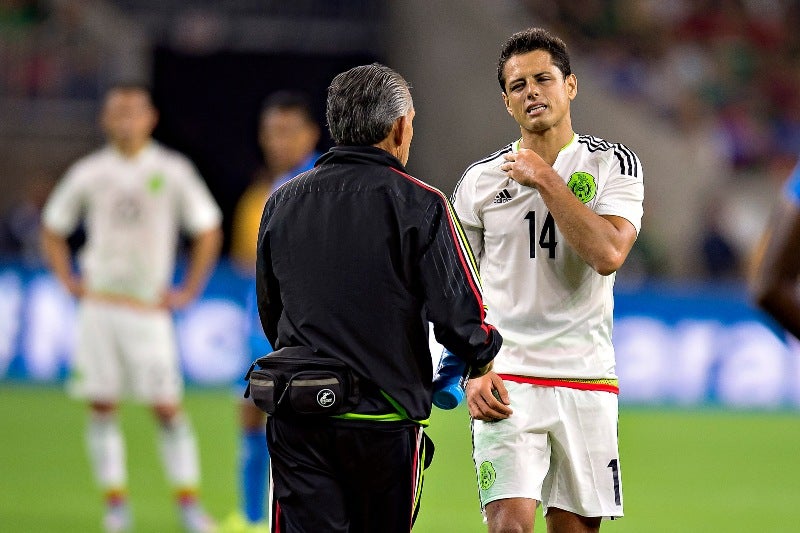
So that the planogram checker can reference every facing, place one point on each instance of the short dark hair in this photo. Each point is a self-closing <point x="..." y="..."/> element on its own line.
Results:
<point x="530" y="40"/>
<point x="285" y="100"/>
<point x="364" y="102"/>
<point x="128" y="86"/>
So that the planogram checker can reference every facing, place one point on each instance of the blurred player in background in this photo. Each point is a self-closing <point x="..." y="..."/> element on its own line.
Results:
<point x="774" y="280"/>
<point x="354" y="258"/>
<point x="134" y="196"/>
<point x="288" y="136"/>
<point x="550" y="218"/>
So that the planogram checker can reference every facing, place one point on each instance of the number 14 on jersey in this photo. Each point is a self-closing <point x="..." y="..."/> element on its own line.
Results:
<point x="545" y="237"/>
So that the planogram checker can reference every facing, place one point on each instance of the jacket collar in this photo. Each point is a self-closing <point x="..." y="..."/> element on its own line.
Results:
<point x="363" y="155"/>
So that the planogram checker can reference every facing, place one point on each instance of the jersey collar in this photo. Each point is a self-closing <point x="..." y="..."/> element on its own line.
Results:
<point x="516" y="144"/>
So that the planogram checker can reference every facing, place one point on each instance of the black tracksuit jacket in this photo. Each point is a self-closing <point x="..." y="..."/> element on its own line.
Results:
<point x="355" y="256"/>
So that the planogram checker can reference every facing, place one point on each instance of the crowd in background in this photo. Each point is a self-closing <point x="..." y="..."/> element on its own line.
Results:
<point x="61" y="49"/>
<point x="729" y="65"/>
<point x="729" y="69"/>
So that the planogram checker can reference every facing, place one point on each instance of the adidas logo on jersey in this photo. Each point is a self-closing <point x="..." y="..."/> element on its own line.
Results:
<point x="502" y="197"/>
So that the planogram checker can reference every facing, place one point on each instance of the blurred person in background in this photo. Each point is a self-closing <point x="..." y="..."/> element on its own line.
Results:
<point x="550" y="218"/>
<point x="288" y="137"/>
<point x="355" y="257"/>
<point x="773" y="281"/>
<point x="133" y="196"/>
<point x="20" y="226"/>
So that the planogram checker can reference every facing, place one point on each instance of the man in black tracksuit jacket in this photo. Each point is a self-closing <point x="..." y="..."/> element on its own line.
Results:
<point x="355" y="257"/>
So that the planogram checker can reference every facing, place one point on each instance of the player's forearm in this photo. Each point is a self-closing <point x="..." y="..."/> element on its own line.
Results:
<point x="204" y="254"/>
<point x="773" y="281"/>
<point x="602" y="244"/>
<point x="56" y="252"/>
<point x="782" y="302"/>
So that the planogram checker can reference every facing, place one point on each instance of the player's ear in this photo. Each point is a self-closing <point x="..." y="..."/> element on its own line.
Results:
<point x="572" y="86"/>
<point x="505" y="103"/>
<point x="154" y="116"/>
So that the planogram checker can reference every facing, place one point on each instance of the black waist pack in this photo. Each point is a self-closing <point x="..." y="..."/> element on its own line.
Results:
<point x="298" y="381"/>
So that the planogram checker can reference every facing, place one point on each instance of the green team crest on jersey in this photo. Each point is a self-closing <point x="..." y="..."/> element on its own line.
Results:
<point x="583" y="185"/>
<point x="156" y="182"/>
<point x="486" y="475"/>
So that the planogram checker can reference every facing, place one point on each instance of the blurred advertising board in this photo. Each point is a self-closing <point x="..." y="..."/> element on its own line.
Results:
<point x="37" y="328"/>
<point x="677" y="344"/>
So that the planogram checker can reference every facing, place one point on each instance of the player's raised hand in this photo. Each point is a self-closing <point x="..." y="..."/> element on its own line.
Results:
<point x="487" y="398"/>
<point x="526" y="167"/>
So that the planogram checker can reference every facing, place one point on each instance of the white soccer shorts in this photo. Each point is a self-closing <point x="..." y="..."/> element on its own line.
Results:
<point x="123" y="351"/>
<point x="559" y="447"/>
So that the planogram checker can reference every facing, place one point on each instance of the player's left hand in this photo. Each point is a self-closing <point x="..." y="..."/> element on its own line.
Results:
<point x="526" y="167"/>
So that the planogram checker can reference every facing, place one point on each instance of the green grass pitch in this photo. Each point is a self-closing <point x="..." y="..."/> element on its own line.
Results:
<point x="683" y="471"/>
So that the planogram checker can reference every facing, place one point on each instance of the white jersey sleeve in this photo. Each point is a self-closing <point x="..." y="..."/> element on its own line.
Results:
<point x="471" y="194"/>
<point x="199" y="211"/>
<point x="64" y="208"/>
<point x="623" y="189"/>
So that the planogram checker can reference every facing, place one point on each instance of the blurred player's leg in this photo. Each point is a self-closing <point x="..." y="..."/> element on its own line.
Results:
<point x="107" y="455"/>
<point x="254" y="461"/>
<point x="253" y="464"/>
<point x="180" y="456"/>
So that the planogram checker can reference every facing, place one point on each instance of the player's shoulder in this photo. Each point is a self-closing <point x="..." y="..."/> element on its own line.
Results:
<point x="91" y="163"/>
<point x="487" y="166"/>
<point x="614" y="152"/>
<point x="168" y="155"/>
<point x="492" y="161"/>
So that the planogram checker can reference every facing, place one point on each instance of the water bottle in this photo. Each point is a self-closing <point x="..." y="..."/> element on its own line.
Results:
<point x="449" y="381"/>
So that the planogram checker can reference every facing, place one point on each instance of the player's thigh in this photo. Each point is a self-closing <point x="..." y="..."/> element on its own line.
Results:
<point x="586" y="479"/>
<point x="512" y="456"/>
<point x="148" y="343"/>
<point x="97" y="371"/>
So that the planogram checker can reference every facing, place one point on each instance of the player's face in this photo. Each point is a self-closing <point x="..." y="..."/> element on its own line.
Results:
<point x="128" y="119"/>
<point x="537" y="94"/>
<point x="287" y="138"/>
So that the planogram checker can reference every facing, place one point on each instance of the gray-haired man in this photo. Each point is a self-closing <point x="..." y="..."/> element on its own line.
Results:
<point x="355" y="257"/>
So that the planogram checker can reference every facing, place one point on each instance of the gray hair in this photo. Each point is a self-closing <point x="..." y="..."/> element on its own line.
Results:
<point x="364" y="102"/>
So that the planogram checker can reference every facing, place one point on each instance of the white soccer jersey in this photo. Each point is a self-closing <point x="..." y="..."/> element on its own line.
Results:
<point x="553" y="310"/>
<point x="133" y="210"/>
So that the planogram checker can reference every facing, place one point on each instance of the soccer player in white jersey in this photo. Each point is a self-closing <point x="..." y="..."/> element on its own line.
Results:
<point x="550" y="218"/>
<point x="134" y="196"/>
<point x="777" y="267"/>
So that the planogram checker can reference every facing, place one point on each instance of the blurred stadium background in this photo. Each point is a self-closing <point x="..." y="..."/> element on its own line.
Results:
<point x="706" y="92"/>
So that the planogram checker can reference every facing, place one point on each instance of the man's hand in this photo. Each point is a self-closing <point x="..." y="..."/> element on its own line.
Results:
<point x="487" y="398"/>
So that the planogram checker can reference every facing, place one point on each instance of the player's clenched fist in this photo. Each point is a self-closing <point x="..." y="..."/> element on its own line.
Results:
<point x="526" y="167"/>
<point x="487" y="398"/>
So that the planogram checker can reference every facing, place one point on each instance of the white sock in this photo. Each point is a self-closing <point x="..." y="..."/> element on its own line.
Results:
<point x="107" y="451"/>
<point x="179" y="453"/>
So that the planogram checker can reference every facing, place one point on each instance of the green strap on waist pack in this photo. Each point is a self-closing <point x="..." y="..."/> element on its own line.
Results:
<point x="399" y="415"/>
